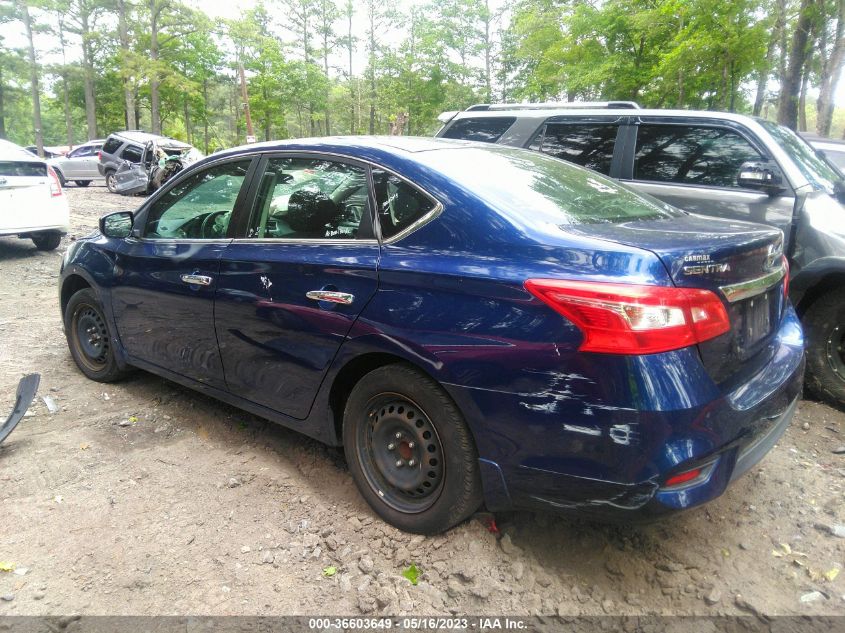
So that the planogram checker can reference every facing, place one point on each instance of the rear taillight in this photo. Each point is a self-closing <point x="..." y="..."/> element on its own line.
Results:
<point x="634" y="319"/>
<point x="786" y="278"/>
<point x="100" y="156"/>
<point x="682" y="478"/>
<point x="55" y="184"/>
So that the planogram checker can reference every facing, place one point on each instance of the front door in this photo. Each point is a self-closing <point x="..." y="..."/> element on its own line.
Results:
<point x="695" y="168"/>
<point x="166" y="275"/>
<point x="289" y="292"/>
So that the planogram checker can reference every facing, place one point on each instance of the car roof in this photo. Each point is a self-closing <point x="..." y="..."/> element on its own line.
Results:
<point x="352" y="145"/>
<point x="139" y="136"/>
<point x="10" y="151"/>
<point x="545" y="113"/>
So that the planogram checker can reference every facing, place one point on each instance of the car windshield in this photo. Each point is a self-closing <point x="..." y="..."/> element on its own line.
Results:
<point x="814" y="168"/>
<point x="521" y="181"/>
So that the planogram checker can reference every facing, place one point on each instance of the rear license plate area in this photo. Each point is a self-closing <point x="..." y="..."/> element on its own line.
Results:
<point x="756" y="320"/>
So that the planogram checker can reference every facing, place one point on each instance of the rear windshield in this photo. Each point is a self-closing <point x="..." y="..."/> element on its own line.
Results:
<point x="483" y="129"/>
<point x="22" y="168"/>
<point x="112" y="145"/>
<point x="519" y="182"/>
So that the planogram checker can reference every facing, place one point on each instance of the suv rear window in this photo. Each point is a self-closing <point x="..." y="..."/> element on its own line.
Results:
<point x="589" y="145"/>
<point x="485" y="130"/>
<point x="111" y="146"/>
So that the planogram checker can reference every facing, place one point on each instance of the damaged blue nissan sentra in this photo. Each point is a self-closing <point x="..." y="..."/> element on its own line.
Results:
<point x="471" y="322"/>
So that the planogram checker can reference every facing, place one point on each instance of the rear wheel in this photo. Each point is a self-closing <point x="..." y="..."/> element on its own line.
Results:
<point x="410" y="451"/>
<point x="110" y="181"/>
<point x="89" y="339"/>
<point x="47" y="241"/>
<point x="60" y="176"/>
<point x="824" y="325"/>
<point x="82" y="183"/>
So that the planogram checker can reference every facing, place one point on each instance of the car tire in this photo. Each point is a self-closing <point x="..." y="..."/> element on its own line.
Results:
<point x="82" y="183"/>
<point x="110" y="182"/>
<point x="89" y="339"/>
<point x="47" y="241"/>
<point x="410" y="451"/>
<point x="60" y="176"/>
<point x="824" y="328"/>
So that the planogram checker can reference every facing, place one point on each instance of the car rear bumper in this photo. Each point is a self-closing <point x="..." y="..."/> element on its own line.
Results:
<point x="612" y="461"/>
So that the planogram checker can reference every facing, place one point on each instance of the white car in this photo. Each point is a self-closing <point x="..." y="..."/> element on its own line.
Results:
<point x="32" y="203"/>
<point x="79" y="164"/>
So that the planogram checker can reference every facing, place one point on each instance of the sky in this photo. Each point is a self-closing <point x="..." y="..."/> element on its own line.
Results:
<point x="13" y="35"/>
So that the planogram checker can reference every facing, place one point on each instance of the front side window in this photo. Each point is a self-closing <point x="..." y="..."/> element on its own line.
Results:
<point x="198" y="207"/>
<point x="587" y="144"/>
<point x="482" y="129"/>
<point x="708" y="156"/>
<point x="399" y="203"/>
<point x="814" y="168"/>
<point x="307" y="198"/>
<point x="132" y="153"/>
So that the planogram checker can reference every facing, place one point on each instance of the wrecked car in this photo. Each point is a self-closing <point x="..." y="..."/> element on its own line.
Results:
<point x="161" y="159"/>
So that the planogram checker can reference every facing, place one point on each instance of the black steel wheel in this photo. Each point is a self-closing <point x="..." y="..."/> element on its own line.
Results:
<point x="402" y="458"/>
<point x="89" y="339"/>
<point x="410" y="451"/>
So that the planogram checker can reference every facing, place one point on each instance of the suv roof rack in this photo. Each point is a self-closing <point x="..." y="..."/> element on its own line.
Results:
<point x="555" y="105"/>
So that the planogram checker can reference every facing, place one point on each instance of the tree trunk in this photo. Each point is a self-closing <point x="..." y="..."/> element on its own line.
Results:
<point x="2" y="106"/>
<point x="205" y="113"/>
<point x="488" y="50"/>
<point x="187" y="119"/>
<point x="790" y="82"/>
<point x="763" y="78"/>
<point x="128" y="95"/>
<point x="155" y="97"/>
<point x="33" y="78"/>
<point x="64" y="74"/>
<point x="349" y="12"/>
<point x="831" y="71"/>
<point x="372" y="63"/>
<point x="88" y="74"/>
<point x="802" y="97"/>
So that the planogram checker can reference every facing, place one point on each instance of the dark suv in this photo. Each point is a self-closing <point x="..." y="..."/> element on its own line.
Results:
<point x="711" y="163"/>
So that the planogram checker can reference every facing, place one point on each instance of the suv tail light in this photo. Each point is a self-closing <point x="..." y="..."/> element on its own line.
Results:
<point x="634" y="319"/>
<point x="100" y="156"/>
<point x="55" y="185"/>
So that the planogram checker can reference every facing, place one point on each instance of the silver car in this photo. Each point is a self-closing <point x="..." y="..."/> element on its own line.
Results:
<point x="79" y="165"/>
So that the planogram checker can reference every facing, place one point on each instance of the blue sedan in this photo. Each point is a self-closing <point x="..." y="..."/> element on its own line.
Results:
<point x="472" y="323"/>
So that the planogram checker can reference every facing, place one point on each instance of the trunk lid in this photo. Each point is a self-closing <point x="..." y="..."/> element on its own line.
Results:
<point x="741" y="262"/>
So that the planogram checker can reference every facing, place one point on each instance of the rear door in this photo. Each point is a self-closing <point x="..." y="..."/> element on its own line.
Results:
<point x="166" y="274"/>
<point x="694" y="166"/>
<point x="133" y="175"/>
<point x="289" y="290"/>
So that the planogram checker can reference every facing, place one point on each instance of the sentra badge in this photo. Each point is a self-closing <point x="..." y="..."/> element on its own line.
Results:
<point x="702" y="265"/>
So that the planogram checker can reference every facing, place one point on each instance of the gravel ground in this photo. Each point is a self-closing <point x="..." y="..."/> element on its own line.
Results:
<point x="146" y="498"/>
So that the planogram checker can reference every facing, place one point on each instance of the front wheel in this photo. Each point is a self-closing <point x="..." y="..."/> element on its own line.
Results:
<point x="111" y="183"/>
<point x="47" y="241"/>
<point x="89" y="339"/>
<point x="824" y="326"/>
<point x="410" y="451"/>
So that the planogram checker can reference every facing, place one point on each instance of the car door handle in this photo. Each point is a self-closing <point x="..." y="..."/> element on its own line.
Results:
<point x="330" y="295"/>
<point x="197" y="280"/>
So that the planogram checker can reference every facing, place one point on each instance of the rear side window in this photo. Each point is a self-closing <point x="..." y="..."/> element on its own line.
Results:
<point x="485" y="130"/>
<point x="399" y="204"/>
<point x="132" y="154"/>
<point x="111" y="146"/>
<point x="22" y="168"/>
<point x="707" y="156"/>
<point x="589" y="145"/>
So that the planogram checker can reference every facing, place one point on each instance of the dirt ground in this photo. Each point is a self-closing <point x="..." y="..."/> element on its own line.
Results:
<point x="146" y="498"/>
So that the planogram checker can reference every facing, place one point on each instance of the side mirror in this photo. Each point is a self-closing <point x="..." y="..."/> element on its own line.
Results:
<point x="117" y="225"/>
<point x="761" y="175"/>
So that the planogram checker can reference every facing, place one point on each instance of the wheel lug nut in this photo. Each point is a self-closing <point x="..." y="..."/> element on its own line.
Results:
<point x="398" y="436"/>
<point x="391" y="446"/>
<point x="410" y="445"/>
<point x="411" y="462"/>
<point x="398" y="463"/>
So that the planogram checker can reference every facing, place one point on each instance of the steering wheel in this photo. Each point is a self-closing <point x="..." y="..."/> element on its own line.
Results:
<point x="209" y="227"/>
